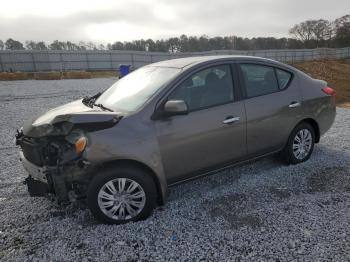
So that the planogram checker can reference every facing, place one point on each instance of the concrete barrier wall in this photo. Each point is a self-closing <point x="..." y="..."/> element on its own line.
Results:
<point x="33" y="61"/>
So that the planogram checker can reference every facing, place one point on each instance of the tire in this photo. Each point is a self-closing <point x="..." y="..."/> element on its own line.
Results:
<point x="305" y="132"/>
<point x="105" y="195"/>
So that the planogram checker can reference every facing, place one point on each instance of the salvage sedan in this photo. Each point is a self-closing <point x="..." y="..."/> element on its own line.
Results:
<point x="170" y="122"/>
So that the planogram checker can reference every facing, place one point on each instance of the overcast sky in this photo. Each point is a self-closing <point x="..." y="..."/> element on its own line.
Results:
<point x="105" y="21"/>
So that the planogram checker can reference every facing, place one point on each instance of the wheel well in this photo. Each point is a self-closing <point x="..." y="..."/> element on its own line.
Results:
<point x="147" y="169"/>
<point x="315" y="126"/>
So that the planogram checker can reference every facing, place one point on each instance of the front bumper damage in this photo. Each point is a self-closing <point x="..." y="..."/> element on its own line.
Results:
<point x="58" y="176"/>
<point x="49" y="154"/>
<point x="36" y="182"/>
<point x="64" y="184"/>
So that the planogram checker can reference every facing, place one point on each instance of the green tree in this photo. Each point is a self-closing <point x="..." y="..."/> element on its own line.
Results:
<point x="57" y="45"/>
<point x="41" y="46"/>
<point x="11" y="44"/>
<point x="342" y="31"/>
<point x="31" y="45"/>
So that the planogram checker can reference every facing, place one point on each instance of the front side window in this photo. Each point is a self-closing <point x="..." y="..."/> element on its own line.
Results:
<point x="132" y="91"/>
<point x="209" y="87"/>
<point x="259" y="79"/>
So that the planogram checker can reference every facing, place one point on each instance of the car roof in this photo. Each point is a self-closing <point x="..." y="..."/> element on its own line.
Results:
<point x="191" y="61"/>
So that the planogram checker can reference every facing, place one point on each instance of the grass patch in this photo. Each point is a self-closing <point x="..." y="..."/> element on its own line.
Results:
<point x="99" y="74"/>
<point x="55" y="75"/>
<point x="47" y="76"/>
<point x="14" y="76"/>
<point x="76" y="75"/>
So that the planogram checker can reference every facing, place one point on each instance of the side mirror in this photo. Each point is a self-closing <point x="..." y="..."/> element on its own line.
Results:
<point x="175" y="107"/>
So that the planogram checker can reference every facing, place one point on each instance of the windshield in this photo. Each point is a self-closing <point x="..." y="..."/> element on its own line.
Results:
<point x="133" y="90"/>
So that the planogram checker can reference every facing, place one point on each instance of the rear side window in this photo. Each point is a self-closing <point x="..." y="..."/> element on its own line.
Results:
<point x="259" y="79"/>
<point x="284" y="78"/>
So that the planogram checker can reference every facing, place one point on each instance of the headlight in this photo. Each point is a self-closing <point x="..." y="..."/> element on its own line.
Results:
<point x="80" y="145"/>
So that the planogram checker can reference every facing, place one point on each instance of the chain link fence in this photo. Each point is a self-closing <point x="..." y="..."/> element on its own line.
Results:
<point x="34" y="61"/>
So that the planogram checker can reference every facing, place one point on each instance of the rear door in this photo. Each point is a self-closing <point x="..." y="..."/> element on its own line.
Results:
<point x="272" y="103"/>
<point x="214" y="131"/>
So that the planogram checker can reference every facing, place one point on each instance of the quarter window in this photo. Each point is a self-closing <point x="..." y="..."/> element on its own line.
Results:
<point x="206" y="88"/>
<point x="283" y="78"/>
<point x="259" y="79"/>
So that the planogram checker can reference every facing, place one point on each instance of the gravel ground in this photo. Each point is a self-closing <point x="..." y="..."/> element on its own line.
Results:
<point x="261" y="211"/>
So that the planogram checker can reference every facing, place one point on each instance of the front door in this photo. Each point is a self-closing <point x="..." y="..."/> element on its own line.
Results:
<point x="214" y="131"/>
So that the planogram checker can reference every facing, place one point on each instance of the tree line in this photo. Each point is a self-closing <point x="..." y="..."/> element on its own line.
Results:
<point x="307" y="34"/>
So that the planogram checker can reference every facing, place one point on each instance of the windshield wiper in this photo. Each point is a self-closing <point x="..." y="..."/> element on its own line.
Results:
<point x="103" y="107"/>
<point x="90" y="100"/>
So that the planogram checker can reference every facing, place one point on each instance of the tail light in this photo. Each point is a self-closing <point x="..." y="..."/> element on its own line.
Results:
<point x="329" y="91"/>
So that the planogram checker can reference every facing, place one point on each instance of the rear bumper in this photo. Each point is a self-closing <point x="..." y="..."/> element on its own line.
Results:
<point x="327" y="116"/>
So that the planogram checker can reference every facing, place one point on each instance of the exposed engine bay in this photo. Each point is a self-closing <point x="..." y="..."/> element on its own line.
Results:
<point x="52" y="151"/>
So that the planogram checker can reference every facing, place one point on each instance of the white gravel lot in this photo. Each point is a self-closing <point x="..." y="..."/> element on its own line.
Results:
<point x="261" y="211"/>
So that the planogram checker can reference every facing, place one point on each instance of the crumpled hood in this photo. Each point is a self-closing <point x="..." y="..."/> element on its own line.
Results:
<point x="61" y="120"/>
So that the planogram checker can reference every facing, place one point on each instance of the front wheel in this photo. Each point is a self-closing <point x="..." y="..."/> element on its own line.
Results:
<point x="300" y="144"/>
<point x="119" y="195"/>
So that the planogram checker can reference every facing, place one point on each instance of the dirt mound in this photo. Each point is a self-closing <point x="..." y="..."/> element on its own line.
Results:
<point x="335" y="72"/>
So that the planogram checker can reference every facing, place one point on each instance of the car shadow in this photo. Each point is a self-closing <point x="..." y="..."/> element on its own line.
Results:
<point x="337" y="161"/>
<point x="263" y="180"/>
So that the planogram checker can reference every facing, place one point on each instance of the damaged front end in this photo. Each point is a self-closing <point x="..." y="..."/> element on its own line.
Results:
<point x="54" y="164"/>
<point x="54" y="153"/>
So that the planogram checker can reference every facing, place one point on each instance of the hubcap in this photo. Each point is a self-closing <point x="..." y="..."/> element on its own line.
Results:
<point x="121" y="199"/>
<point x="302" y="144"/>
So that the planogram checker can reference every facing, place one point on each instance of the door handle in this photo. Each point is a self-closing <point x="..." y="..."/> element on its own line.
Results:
<point x="294" y="104"/>
<point x="230" y="120"/>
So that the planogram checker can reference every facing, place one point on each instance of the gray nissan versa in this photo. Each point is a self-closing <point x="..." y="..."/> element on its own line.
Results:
<point x="169" y="122"/>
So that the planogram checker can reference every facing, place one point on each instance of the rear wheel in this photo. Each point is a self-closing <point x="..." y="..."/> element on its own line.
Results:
<point x="120" y="195"/>
<point x="300" y="144"/>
